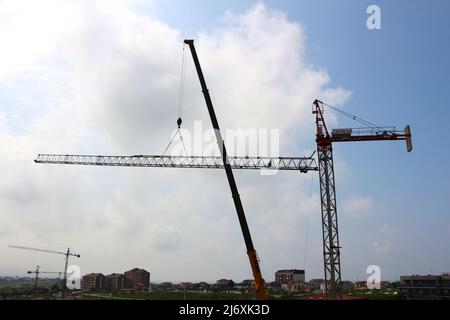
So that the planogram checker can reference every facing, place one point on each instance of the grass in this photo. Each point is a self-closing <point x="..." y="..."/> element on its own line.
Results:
<point x="27" y="283"/>
<point x="173" y="296"/>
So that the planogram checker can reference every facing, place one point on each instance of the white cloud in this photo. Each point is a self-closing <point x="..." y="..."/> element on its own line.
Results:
<point x="168" y="238"/>
<point x="382" y="247"/>
<point x="357" y="206"/>
<point x="95" y="77"/>
<point x="257" y="61"/>
<point x="386" y="235"/>
<point x="388" y="229"/>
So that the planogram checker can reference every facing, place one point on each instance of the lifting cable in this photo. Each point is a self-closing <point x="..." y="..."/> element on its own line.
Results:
<point x="181" y="90"/>
<point x="355" y="118"/>
<point x="307" y="224"/>
<point x="180" y="103"/>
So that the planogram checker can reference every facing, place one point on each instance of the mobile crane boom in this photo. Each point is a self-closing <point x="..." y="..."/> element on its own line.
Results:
<point x="253" y="257"/>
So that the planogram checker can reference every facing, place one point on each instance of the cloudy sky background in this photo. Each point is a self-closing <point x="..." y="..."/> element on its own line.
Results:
<point x="102" y="77"/>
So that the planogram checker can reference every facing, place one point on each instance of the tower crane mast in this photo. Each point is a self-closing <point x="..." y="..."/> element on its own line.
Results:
<point x="324" y="140"/>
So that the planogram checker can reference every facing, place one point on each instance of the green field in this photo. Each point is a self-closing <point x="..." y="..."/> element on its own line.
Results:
<point x="27" y="284"/>
<point x="24" y="289"/>
<point x="171" y="296"/>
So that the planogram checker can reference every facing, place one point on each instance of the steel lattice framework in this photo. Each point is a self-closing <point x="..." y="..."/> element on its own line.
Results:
<point x="302" y="164"/>
<point x="331" y="248"/>
<point x="324" y="140"/>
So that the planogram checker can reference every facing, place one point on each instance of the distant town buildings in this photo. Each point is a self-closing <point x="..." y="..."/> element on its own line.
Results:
<point x="286" y="276"/>
<point x="292" y="280"/>
<point x="136" y="279"/>
<point x="115" y="281"/>
<point x="201" y="286"/>
<point x="429" y="285"/>
<point x="317" y="284"/>
<point x="166" y="286"/>
<point x="93" y="281"/>
<point x="347" y="286"/>
<point x="361" y="285"/>
<point x="224" y="284"/>
<point x="248" y="283"/>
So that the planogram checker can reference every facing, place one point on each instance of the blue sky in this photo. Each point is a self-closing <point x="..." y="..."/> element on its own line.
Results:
<point x="395" y="76"/>
<point x="398" y="76"/>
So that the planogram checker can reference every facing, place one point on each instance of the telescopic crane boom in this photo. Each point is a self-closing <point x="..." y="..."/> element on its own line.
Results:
<point x="253" y="257"/>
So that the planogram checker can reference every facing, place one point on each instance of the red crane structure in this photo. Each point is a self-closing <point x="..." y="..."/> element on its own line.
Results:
<point x="324" y="140"/>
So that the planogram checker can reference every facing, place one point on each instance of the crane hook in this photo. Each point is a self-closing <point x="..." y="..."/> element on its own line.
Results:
<point x="179" y="121"/>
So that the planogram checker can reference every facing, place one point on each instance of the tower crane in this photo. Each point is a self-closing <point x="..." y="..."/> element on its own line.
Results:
<point x="38" y="271"/>
<point x="324" y="140"/>
<point x="67" y="254"/>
